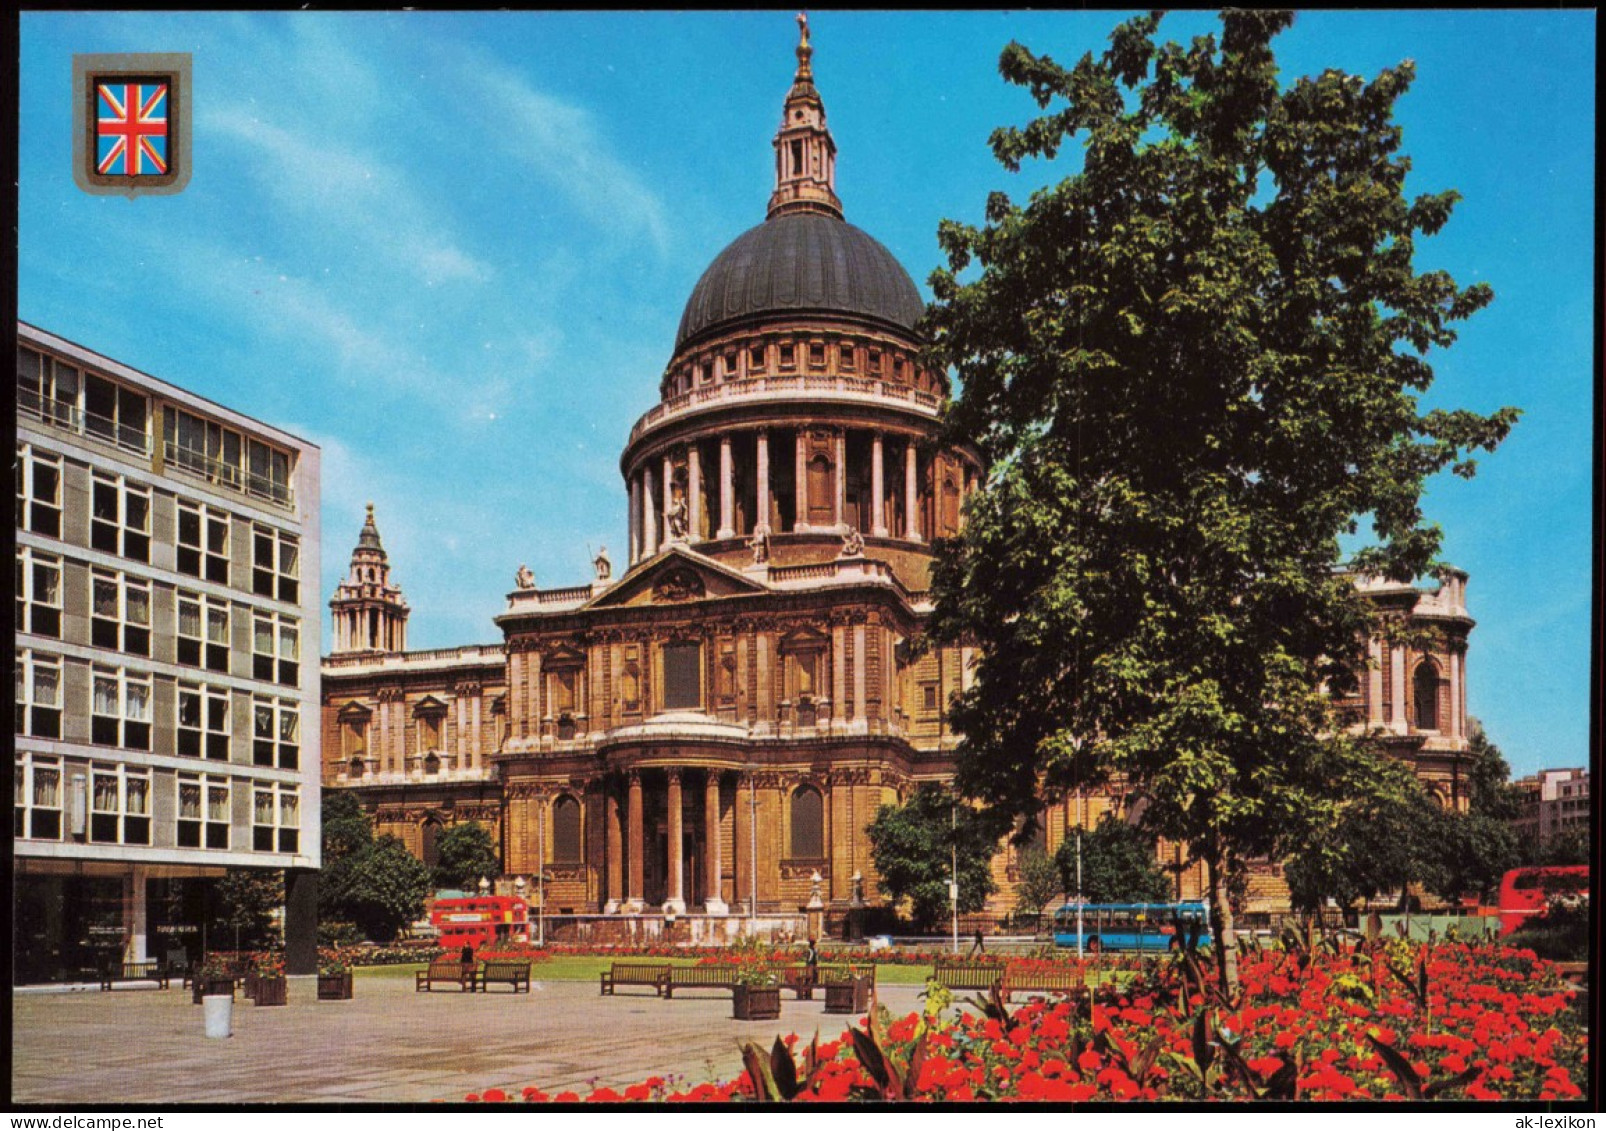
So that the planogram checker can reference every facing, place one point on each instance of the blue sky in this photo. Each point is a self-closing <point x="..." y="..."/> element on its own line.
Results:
<point x="453" y="249"/>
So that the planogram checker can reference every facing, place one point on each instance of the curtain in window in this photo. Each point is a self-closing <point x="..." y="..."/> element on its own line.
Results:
<point x="263" y="639"/>
<point x="105" y="598"/>
<point x="290" y="724"/>
<point x="106" y="696"/>
<point x="47" y="787"/>
<point x="289" y="811"/>
<point x="217" y="626"/>
<point x="139" y="702"/>
<point x="289" y="642"/>
<point x="137" y="604"/>
<point x="46" y="686"/>
<point x="137" y="791"/>
<point x="105" y="794"/>
<point x="217" y="803"/>
<point x="189" y="619"/>
<point x="189" y="801"/>
<point x="264" y="807"/>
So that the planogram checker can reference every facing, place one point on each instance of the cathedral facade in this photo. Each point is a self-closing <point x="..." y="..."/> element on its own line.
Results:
<point x="710" y="727"/>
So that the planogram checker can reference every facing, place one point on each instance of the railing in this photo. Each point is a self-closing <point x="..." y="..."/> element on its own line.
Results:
<point x="468" y="653"/>
<point x="227" y="474"/>
<point x="786" y="388"/>
<point x="65" y="414"/>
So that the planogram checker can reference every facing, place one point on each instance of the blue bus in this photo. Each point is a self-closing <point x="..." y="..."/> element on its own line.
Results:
<point x="1132" y="926"/>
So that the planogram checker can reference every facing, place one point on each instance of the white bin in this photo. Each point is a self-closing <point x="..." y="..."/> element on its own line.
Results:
<point x="219" y="1010"/>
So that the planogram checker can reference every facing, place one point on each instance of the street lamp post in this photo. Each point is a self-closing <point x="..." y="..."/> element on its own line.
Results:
<point x="1081" y="819"/>
<point x="953" y="864"/>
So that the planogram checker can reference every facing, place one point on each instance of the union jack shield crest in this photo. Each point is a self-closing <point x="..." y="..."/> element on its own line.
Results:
<point x="131" y="123"/>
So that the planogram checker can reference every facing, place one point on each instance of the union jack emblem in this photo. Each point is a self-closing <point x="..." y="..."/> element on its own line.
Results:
<point x="131" y="129"/>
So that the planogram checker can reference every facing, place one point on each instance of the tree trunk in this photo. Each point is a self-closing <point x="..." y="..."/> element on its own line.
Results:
<point x="1226" y="939"/>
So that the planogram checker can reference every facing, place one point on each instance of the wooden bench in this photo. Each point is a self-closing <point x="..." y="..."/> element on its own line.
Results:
<point x="800" y="980"/>
<point x="151" y="971"/>
<point x="651" y="974"/>
<point x="967" y="976"/>
<point x="1042" y="981"/>
<point x="449" y="971"/>
<point x="513" y="973"/>
<point x="700" y="978"/>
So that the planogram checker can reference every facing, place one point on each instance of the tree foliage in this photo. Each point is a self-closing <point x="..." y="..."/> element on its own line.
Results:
<point x="1118" y="865"/>
<point x="465" y="852"/>
<point x="246" y="900"/>
<point x="376" y="884"/>
<point x="1193" y="366"/>
<point x="914" y="847"/>
<point x="1039" y="882"/>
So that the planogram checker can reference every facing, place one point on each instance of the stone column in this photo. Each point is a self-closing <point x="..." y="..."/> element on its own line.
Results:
<point x="762" y="519"/>
<point x="614" y="850"/>
<point x="635" y="904"/>
<point x="676" y="903"/>
<point x="1374" y="684"/>
<point x="743" y="841"/>
<point x="714" y="903"/>
<point x="839" y="500"/>
<point x="727" y="490"/>
<point x="649" y="515"/>
<point x="1397" y="679"/>
<point x="859" y="658"/>
<point x="634" y="519"/>
<point x="139" y="915"/>
<point x="669" y="498"/>
<point x="878" y="509"/>
<point x="911" y="495"/>
<point x="1456" y="659"/>
<point x="694" y="493"/>
<point x="800" y="520"/>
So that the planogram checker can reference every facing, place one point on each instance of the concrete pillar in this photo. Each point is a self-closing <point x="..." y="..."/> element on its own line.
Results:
<point x="839" y="502"/>
<point x="727" y="490"/>
<point x="762" y="520"/>
<point x="676" y="903"/>
<point x="635" y="903"/>
<point x="649" y="515"/>
<point x="138" y="916"/>
<point x="714" y="904"/>
<point x="878" y="509"/>
<point x="300" y="921"/>
<point x="614" y="851"/>
<point x="800" y="520"/>
<point x="694" y="493"/>
<point x="911" y="495"/>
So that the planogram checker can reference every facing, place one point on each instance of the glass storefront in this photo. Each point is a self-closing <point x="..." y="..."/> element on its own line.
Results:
<point x="67" y="927"/>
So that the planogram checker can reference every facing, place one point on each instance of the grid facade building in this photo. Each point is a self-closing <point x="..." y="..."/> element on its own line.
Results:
<point x="167" y="635"/>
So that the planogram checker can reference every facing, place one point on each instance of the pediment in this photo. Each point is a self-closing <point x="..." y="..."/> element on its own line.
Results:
<point x="354" y="712"/>
<point x="429" y="705"/>
<point x="677" y="576"/>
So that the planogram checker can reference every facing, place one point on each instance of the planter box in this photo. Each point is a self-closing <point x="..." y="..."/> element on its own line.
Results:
<point x="334" y="987"/>
<point x="851" y="996"/>
<point x="211" y="987"/>
<point x="252" y="978"/>
<point x="273" y="991"/>
<point x="756" y="1003"/>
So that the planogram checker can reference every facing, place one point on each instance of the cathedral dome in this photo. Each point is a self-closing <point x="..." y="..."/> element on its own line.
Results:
<point x="801" y="263"/>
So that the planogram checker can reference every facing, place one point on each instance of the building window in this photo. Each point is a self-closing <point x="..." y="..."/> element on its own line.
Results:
<point x="120" y="805"/>
<point x="817" y="355"/>
<point x="276" y="565"/>
<point x="221" y="455"/>
<point x="276" y="819"/>
<point x="120" y="518"/>
<point x="730" y="366"/>
<point x="37" y="798"/>
<point x="276" y="649"/>
<point x="203" y="542"/>
<point x="267" y="472"/>
<point x="566" y="831"/>
<point x="928" y="698"/>
<point x="120" y="613"/>
<point x="203" y="812"/>
<point x="39" y="492"/>
<point x="873" y="363"/>
<point x="788" y="356"/>
<point x="276" y="734"/>
<point x="122" y="710"/>
<point x="116" y="414"/>
<point x="198" y="615"/>
<point x="47" y="388"/>
<point x="808" y="824"/>
<point x="755" y="360"/>
<point x="682" y="677"/>
<point x="38" y="695"/>
<point x="1425" y="693"/>
<point x="38" y="593"/>
<point x="203" y="722"/>
<point x="845" y="354"/>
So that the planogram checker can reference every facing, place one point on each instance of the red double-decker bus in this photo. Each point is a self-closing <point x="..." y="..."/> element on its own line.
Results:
<point x="1526" y="893"/>
<point x="476" y="920"/>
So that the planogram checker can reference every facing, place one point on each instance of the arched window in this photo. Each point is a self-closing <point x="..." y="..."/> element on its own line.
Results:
<point x="808" y="824"/>
<point x="566" y="831"/>
<point x="1425" y="693"/>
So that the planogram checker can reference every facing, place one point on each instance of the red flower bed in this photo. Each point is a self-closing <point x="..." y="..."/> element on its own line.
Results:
<point x="1453" y="1021"/>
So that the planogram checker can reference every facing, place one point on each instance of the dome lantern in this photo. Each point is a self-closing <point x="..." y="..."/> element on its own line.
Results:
<point x="805" y="154"/>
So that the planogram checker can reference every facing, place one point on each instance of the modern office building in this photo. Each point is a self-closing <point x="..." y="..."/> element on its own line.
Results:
<point x="167" y="629"/>
<point x="1555" y="802"/>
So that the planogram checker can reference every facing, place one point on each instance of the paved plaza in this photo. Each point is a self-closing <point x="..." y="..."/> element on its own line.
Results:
<point x="387" y="1045"/>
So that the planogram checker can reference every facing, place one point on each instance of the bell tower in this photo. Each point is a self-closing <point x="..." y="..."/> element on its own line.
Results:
<point x="370" y="613"/>
<point x="805" y="155"/>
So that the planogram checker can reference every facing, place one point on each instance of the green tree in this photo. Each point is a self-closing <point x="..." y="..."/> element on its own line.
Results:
<point x="1038" y="884"/>
<point x="347" y="829"/>
<point x="376" y="884"/>
<point x="915" y="845"/>
<point x="1569" y="846"/>
<point x="465" y="852"/>
<point x="1191" y="366"/>
<point x="1118" y="865"/>
<point x="246" y="902"/>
